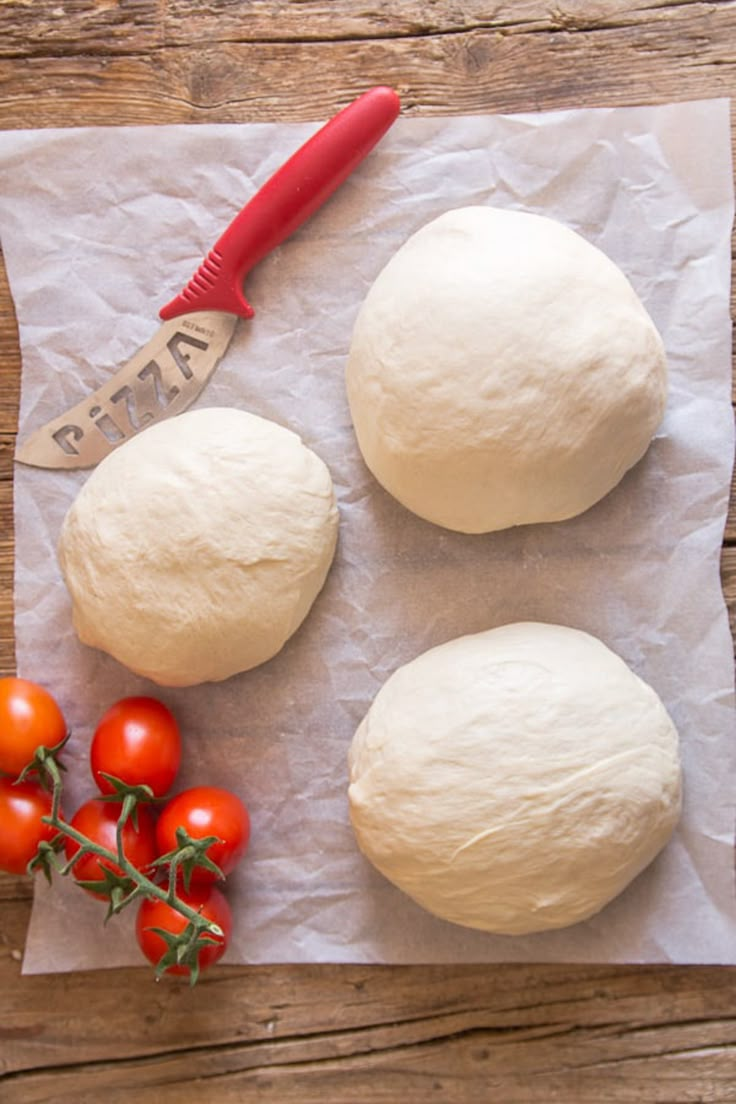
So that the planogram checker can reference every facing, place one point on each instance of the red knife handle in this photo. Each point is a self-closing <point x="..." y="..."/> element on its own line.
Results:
<point x="285" y="201"/>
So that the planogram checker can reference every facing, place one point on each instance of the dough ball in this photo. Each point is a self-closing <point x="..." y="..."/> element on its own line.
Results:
<point x="502" y="371"/>
<point x="514" y="780"/>
<point x="197" y="548"/>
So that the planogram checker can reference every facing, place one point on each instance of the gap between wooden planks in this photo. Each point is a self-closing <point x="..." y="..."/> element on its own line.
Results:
<point x="355" y="1033"/>
<point x="511" y="1034"/>
<point x="179" y="61"/>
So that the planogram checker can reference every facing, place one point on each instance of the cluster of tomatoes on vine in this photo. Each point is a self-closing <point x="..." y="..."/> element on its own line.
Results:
<point x="130" y="844"/>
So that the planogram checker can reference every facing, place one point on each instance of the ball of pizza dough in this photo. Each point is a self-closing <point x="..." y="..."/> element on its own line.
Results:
<point x="502" y="371"/>
<point x="514" y="780"/>
<point x="196" y="549"/>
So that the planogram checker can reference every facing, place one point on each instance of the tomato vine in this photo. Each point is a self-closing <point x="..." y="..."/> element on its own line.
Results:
<point x="113" y="846"/>
<point x="131" y="884"/>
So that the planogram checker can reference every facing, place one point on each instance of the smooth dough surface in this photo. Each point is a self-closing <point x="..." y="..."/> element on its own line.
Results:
<point x="514" y="780"/>
<point x="196" y="549"/>
<point x="502" y="371"/>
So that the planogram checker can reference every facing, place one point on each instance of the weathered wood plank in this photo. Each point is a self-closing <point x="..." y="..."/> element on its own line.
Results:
<point x="9" y="371"/>
<point x="675" y="55"/>
<point x="454" y="1071"/>
<point x="355" y="1033"/>
<point x="302" y="1031"/>
<point x="728" y="581"/>
<point x="279" y="1017"/>
<point x="144" y="25"/>
<point x="729" y="536"/>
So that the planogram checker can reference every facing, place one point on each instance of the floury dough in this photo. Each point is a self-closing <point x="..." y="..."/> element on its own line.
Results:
<point x="502" y="371"/>
<point x="196" y="549"/>
<point x="514" y="780"/>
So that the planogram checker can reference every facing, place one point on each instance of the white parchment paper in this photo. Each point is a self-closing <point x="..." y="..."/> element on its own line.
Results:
<point x="100" y="227"/>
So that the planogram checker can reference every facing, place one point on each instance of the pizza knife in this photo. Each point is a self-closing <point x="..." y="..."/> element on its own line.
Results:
<point x="168" y="373"/>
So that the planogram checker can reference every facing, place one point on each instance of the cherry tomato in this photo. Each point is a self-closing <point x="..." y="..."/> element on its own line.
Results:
<point x="158" y="914"/>
<point x="29" y="719"/>
<point x="206" y="811"/>
<point x="22" y="804"/>
<point x="137" y="741"/>
<point x="97" y="820"/>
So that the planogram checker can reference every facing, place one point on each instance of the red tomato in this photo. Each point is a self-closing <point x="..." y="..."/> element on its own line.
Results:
<point x="137" y="741"/>
<point x="97" y="820"/>
<point x="22" y="804"/>
<point x="29" y="719"/>
<point x="206" y="811"/>
<point x="158" y="914"/>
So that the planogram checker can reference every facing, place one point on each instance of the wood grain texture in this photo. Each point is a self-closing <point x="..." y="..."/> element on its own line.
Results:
<point x="145" y="25"/>
<point x="261" y="61"/>
<point x="517" y="1035"/>
<point x="522" y="1033"/>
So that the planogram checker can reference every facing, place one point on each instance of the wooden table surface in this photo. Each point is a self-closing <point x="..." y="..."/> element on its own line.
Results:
<point x="491" y="1033"/>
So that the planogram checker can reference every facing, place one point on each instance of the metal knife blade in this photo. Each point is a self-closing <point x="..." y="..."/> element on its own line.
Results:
<point x="162" y="379"/>
<point x="168" y="373"/>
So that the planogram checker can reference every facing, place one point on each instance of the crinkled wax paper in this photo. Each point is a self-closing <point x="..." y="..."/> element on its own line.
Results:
<point x="100" y="227"/>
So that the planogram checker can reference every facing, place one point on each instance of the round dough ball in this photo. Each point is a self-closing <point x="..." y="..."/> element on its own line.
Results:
<point x="514" y="780"/>
<point x="502" y="371"/>
<point x="197" y="548"/>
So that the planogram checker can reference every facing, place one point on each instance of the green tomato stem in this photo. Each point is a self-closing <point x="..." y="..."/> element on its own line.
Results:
<point x="144" y="885"/>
